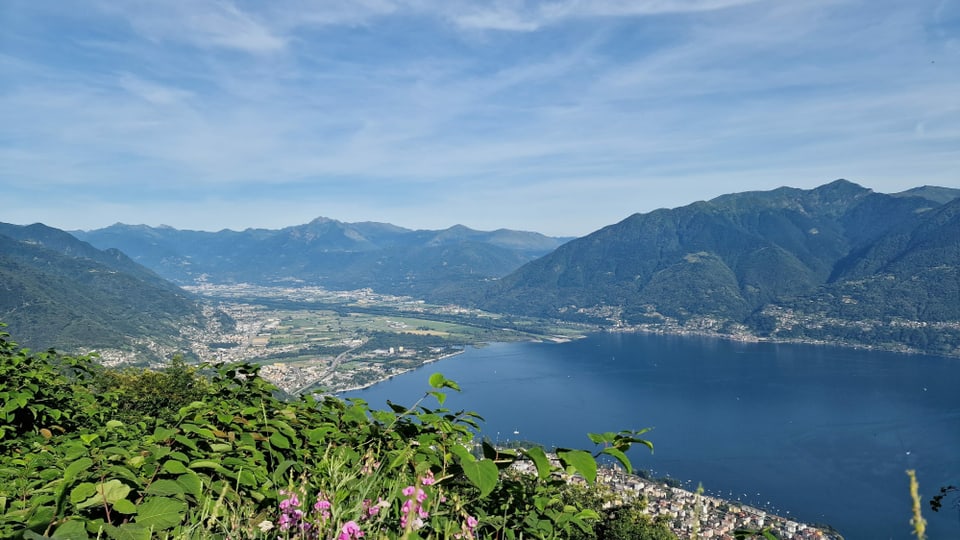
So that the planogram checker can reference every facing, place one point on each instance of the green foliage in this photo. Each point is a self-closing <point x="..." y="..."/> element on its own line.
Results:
<point x="213" y="452"/>
<point x="41" y="393"/>
<point x="140" y="393"/>
<point x="630" y="522"/>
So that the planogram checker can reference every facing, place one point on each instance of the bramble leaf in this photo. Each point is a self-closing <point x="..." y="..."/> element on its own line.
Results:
<point x="161" y="512"/>
<point x="483" y="474"/>
<point x="581" y="461"/>
<point x="540" y="460"/>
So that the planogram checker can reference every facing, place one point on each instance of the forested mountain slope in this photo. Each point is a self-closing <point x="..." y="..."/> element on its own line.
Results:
<point x="777" y="261"/>
<point x="60" y="292"/>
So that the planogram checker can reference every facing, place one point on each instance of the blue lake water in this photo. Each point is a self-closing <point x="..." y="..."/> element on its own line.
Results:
<point x="821" y="434"/>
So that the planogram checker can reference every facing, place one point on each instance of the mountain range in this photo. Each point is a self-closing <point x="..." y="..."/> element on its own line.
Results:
<point x="426" y="264"/>
<point x="839" y="263"/>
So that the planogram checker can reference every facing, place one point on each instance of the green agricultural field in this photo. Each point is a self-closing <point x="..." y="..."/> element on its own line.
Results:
<point x="334" y="341"/>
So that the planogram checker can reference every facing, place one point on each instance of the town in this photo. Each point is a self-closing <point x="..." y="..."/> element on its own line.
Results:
<point x="691" y="514"/>
<point x="312" y="340"/>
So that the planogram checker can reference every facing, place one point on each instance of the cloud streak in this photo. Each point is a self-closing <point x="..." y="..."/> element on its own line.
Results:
<point x="553" y="116"/>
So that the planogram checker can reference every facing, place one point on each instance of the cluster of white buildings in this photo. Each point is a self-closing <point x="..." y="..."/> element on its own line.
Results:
<point x="690" y="514"/>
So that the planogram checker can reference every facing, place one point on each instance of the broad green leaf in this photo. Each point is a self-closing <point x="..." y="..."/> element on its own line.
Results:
<point x="317" y="435"/>
<point x="82" y="491"/>
<point x="600" y="438"/>
<point x="165" y="488"/>
<point x="174" y="467"/>
<point x="127" y="531"/>
<point x="246" y="478"/>
<point x="483" y="474"/>
<point x="280" y="472"/>
<point x="123" y="472"/>
<point x="279" y="441"/>
<point x="41" y="517"/>
<point x="207" y="464"/>
<point x="110" y="492"/>
<point x="627" y="438"/>
<point x="191" y="483"/>
<point x="621" y="457"/>
<point x="163" y="433"/>
<point x="397" y="408"/>
<point x="72" y="529"/>
<point x="357" y="413"/>
<point x="113" y="424"/>
<point x="461" y="452"/>
<point x="124" y="506"/>
<point x="161" y="512"/>
<point x="186" y="441"/>
<point x="438" y="381"/>
<point x="201" y="431"/>
<point x="75" y="468"/>
<point x="581" y="461"/>
<point x="283" y="427"/>
<point x="539" y="458"/>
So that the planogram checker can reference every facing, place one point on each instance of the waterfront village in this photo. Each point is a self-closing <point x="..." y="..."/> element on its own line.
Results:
<point x="691" y="514"/>
<point x="695" y="515"/>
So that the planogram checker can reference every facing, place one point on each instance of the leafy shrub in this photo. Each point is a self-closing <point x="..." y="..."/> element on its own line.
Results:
<point x="86" y="455"/>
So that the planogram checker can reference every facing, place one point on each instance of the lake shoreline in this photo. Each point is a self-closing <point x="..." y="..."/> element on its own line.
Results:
<point x="663" y="332"/>
<point x="749" y="338"/>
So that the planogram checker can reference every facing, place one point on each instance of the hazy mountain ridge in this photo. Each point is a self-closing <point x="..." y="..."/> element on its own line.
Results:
<point x="330" y="253"/>
<point x="61" y="292"/>
<point x="839" y="252"/>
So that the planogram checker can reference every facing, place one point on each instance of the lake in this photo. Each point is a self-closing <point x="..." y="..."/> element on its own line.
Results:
<point x="820" y="434"/>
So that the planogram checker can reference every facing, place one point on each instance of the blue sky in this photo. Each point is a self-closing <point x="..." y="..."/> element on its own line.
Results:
<point x="559" y="117"/>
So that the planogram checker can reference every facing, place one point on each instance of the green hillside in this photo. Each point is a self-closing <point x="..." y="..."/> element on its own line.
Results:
<point x="61" y="292"/>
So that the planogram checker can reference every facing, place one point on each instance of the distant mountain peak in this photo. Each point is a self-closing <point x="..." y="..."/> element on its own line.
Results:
<point x="320" y="220"/>
<point x="937" y="194"/>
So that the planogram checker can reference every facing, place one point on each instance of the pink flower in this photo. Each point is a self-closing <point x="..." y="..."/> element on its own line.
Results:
<point x="428" y="480"/>
<point x="350" y="531"/>
<point x="413" y="508"/>
<point x="373" y="509"/>
<point x="290" y="502"/>
<point x="467" y="528"/>
<point x="323" y="507"/>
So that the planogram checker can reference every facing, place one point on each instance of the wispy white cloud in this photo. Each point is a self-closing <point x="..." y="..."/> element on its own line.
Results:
<point x="201" y="23"/>
<point x="528" y="16"/>
<point x="400" y="111"/>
